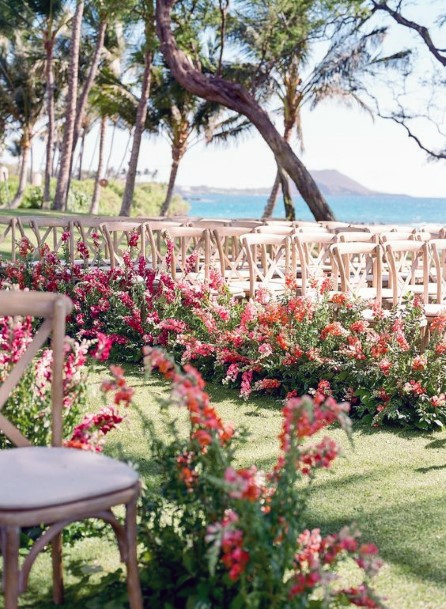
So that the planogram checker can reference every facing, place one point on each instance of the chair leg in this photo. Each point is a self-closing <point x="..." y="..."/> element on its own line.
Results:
<point x="133" y="584"/>
<point x="11" y="566"/>
<point x="56" y="555"/>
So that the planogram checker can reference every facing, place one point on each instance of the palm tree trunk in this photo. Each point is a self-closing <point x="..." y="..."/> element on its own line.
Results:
<point x="51" y="119"/>
<point x="94" y="207"/>
<point x="271" y="203"/>
<point x="107" y="166"/>
<point x="129" y="139"/>
<point x="237" y="98"/>
<point x="70" y="114"/>
<point x="172" y="178"/>
<point x="25" y="146"/>
<point x="290" y="212"/>
<point x="81" y="155"/>
<point x="137" y="137"/>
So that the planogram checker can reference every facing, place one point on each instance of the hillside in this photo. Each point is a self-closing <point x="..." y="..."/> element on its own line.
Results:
<point x="330" y="181"/>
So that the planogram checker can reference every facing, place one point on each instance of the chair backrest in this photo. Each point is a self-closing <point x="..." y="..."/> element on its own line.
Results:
<point x="396" y="236"/>
<point x="156" y="242"/>
<point x="188" y="252"/>
<point x="315" y="228"/>
<point x="53" y="308"/>
<point x="280" y="229"/>
<point x="312" y="256"/>
<point x="408" y="263"/>
<point x="360" y="269"/>
<point x="351" y="229"/>
<point x="437" y="267"/>
<point x="210" y="223"/>
<point x="9" y="234"/>
<point x="332" y="224"/>
<point x="358" y="237"/>
<point x="269" y="261"/>
<point x="49" y="232"/>
<point x="122" y="237"/>
<point x="232" y="259"/>
<point x="249" y="224"/>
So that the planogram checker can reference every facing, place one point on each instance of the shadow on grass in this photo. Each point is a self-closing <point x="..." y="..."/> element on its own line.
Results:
<point x="396" y="530"/>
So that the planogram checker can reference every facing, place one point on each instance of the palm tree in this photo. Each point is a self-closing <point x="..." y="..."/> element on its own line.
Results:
<point x="178" y="115"/>
<point x="147" y="13"/>
<point x="70" y="113"/>
<point x="22" y="93"/>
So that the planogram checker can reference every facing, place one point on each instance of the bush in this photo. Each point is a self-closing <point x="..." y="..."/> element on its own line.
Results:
<point x="280" y="347"/>
<point x="217" y="536"/>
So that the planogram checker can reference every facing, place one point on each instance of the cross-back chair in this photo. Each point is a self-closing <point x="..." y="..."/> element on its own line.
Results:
<point x="269" y="260"/>
<point x="357" y="237"/>
<point x="232" y="257"/>
<point x="189" y="252"/>
<point x="408" y="263"/>
<point x="437" y="274"/>
<point x="313" y="259"/>
<point x="54" y="486"/>
<point x="124" y="237"/>
<point x="49" y="232"/>
<point x="360" y="270"/>
<point x="156" y="242"/>
<point x="9" y="234"/>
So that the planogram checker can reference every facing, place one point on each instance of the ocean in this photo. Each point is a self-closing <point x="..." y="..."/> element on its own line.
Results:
<point x="376" y="209"/>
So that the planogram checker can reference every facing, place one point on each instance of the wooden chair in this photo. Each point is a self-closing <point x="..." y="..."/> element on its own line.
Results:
<point x="9" y="234"/>
<point x="55" y="486"/>
<point x="88" y="234"/>
<point x="332" y="224"/>
<point x="210" y="223"/>
<point x="232" y="258"/>
<point x="313" y="259"/>
<point x="49" y="231"/>
<point x="357" y="237"/>
<point x="280" y="229"/>
<point x="189" y="255"/>
<point x="360" y="270"/>
<point x="249" y="224"/>
<point x="436" y="303"/>
<point x="269" y="260"/>
<point x="408" y="263"/>
<point x="119" y="235"/>
<point x="156" y="243"/>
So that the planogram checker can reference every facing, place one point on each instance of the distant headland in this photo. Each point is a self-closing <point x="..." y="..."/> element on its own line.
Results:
<point x="330" y="181"/>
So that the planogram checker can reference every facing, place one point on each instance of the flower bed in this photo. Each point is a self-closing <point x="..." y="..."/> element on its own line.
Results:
<point x="283" y="347"/>
<point x="217" y="535"/>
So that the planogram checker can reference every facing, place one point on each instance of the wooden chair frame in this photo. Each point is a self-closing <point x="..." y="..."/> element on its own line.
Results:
<point x="117" y="236"/>
<point x="54" y="308"/>
<point x="269" y="260"/>
<point x="359" y="265"/>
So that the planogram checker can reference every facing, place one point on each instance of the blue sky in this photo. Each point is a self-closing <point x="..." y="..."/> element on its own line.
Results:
<point x="376" y="153"/>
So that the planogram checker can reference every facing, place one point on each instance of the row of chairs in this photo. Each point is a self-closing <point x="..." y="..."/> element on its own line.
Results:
<point x="383" y="260"/>
<point x="41" y="231"/>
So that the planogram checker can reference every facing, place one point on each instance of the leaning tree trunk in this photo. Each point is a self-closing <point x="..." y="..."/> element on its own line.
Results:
<point x="176" y="157"/>
<point x="94" y="207"/>
<point x="141" y="115"/>
<point x="25" y="146"/>
<point x="70" y="114"/>
<point x="51" y="119"/>
<point x="237" y="98"/>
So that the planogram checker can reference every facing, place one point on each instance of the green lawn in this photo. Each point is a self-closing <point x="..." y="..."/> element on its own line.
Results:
<point x="392" y="485"/>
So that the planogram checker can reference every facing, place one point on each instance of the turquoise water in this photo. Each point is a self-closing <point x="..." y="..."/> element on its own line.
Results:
<point x="384" y="209"/>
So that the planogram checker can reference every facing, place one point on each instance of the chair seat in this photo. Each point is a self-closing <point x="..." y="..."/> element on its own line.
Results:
<point x="39" y="477"/>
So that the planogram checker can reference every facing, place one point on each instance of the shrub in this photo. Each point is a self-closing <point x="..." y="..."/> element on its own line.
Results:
<point x="215" y="535"/>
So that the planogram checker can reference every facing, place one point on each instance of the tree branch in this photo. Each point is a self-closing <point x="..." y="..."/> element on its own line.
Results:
<point x="421" y="30"/>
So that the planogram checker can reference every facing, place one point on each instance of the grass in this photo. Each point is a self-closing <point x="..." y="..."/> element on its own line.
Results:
<point x="392" y="485"/>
